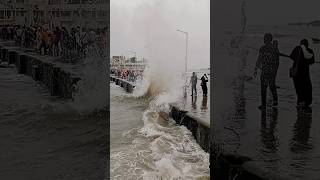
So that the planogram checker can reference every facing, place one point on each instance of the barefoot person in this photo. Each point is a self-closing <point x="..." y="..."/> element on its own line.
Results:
<point x="268" y="63"/>
<point x="302" y="57"/>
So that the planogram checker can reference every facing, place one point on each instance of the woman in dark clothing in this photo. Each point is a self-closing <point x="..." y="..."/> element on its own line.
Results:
<point x="303" y="57"/>
<point x="204" y="80"/>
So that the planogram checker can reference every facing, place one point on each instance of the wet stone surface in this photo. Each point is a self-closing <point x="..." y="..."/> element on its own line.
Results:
<point x="282" y="140"/>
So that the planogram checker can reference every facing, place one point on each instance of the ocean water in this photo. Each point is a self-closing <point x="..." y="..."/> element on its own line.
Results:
<point x="43" y="137"/>
<point x="144" y="145"/>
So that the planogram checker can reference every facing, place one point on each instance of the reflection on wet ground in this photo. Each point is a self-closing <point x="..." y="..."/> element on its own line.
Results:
<point x="283" y="140"/>
<point x="198" y="106"/>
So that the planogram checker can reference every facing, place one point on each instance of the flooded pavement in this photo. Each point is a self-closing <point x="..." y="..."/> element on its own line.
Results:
<point x="146" y="146"/>
<point x="283" y="140"/>
<point x="44" y="138"/>
<point x="199" y="105"/>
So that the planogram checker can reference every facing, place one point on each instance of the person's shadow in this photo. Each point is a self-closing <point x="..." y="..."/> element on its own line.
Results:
<point x="269" y="120"/>
<point x="301" y="132"/>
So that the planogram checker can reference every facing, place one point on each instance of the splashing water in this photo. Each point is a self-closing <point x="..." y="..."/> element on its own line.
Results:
<point x="156" y="149"/>
<point x="169" y="151"/>
<point x="92" y="88"/>
<point x="162" y="81"/>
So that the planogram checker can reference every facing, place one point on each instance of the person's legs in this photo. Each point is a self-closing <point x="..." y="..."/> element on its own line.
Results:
<point x="59" y="48"/>
<point x="45" y="48"/>
<point x="297" y="86"/>
<point x="273" y="89"/>
<point x="264" y="86"/>
<point x="193" y="88"/>
<point x="307" y="92"/>
<point x="205" y="90"/>
<point x="40" y="47"/>
<point x="55" y="49"/>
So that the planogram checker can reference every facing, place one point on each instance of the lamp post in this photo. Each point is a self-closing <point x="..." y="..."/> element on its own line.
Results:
<point x="186" y="61"/>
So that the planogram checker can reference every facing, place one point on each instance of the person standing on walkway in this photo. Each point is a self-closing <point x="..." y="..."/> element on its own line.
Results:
<point x="56" y="43"/>
<point x="268" y="64"/>
<point x="302" y="57"/>
<point x="43" y="41"/>
<point x="23" y="36"/>
<point x="78" y="40"/>
<point x="204" y="80"/>
<point x="38" y="37"/>
<point x="19" y="35"/>
<point x="5" y="33"/>
<point x="193" y="82"/>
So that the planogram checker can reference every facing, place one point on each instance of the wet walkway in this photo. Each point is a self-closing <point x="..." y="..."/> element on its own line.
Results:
<point x="198" y="106"/>
<point x="283" y="141"/>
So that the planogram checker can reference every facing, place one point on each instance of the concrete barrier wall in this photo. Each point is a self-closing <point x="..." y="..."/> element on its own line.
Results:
<point x="234" y="166"/>
<point x="60" y="82"/>
<point x="127" y="85"/>
<point x="199" y="129"/>
<point x="225" y="166"/>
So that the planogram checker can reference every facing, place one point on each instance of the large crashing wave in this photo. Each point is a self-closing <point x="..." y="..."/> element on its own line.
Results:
<point x="161" y="81"/>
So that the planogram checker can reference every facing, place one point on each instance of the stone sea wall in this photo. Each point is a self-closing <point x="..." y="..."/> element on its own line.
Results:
<point x="199" y="128"/>
<point x="60" y="81"/>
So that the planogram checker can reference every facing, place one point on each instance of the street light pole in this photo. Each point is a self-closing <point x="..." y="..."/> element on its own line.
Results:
<point x="186" y="61"/>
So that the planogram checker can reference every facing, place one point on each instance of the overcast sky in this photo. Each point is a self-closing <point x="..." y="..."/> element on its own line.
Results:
<point x="148" y="27"/>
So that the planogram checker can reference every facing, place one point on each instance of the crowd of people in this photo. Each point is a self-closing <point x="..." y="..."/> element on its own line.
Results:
<point x="130" y="75"/>
<point x="57" y="41"/>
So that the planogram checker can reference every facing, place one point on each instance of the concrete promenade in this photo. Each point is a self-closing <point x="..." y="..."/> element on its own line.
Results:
<point x="61" y="78"/>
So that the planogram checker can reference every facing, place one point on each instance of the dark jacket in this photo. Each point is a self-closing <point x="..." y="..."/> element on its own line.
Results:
<point x="204" y="81"/>
<point x="300" y="61"/>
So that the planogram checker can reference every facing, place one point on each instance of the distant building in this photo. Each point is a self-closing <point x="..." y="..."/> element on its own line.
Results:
<point x="120" y="62"/>
<point x="118" y="59"/>
<point x="68" y="13"/>
<point x="83" y="13"/>
<point x="6" y="13"/>
<point x="30" y="12"/>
